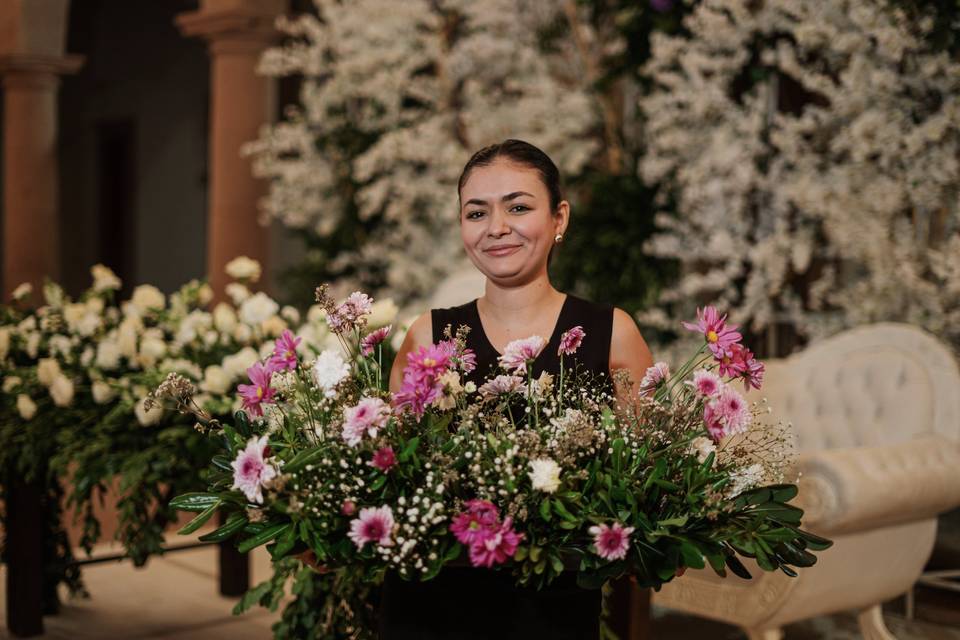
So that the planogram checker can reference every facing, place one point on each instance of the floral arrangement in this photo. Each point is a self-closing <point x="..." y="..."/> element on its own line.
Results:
<point x="534" y="476"/>
<point x="76" y="374"/>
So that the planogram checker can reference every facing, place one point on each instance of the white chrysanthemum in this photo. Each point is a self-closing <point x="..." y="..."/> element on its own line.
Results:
<point x="104" y="279"/>
<point x="544" y="475"/>
<point x="87" y="356"/>
<point x="108" y="355"/>
<point x="290" y="314"/>
<point x="329" y="370"/>
<point x="23" y="290"/>
<point x="224" y="318"/>
<point x="33" y="343"/>
<point x="382" y="313"/>
<point x="102" y="392"/>
<point x="237" y="292"/>
<point x="4" y="341"/>
<point x="147" y="418"/>
<point x="47" y="370"/>
<point x="147" y="297"/>
<point x="237" y="364"/>
<point x="152" y="349"/>
<point x="273" y="326"/>
<point x="244" y="268"/>
<point x="216" y="380"/>
<point x="258" y="308"/>
<point x="242" y="333"/>
<point x="61" y="390"/>
<point x="26" y="407"/>
<point x="193" y="325"/>
<point x="10" y="383"/>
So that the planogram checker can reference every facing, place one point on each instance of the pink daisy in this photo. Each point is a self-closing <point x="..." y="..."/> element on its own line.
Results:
<point x="428" y="362"/>
<point x="250" y="470"/>
<point x="611" y="542"/>
<point x="285" y="351"/>
<point x="733" y="363"/>
<point x="260" y="392"/>
<point x="653" y="377"/>
<point x="570" y="340"/>
<point x="368" y="416"/>
<point x="518" y="352"/>
<point x="499" y="545"/>
<point x="713" y="327"/>
<point x="476" y="523"/>
<point x="753" y="376"/>
<point x="706" y="383"/>
<point x="374" y="338"/>
<point x="374" y="524"/>
<point x="416" y="395"/>
<point x="734" y="410"/>
<point x="384" y="459"/>
<point x="468" y="360"/>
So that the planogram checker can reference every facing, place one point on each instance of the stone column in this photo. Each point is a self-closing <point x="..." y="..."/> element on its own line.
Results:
<point x="32" y="36"/>
<point x="240" y="103"/>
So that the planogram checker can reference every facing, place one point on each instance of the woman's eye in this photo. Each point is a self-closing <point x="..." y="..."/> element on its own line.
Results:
<point x="520" y="206"/>
<point x="473" y="214"/>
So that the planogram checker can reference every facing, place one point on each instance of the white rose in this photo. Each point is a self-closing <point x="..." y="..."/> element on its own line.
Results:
<point x="53" y="294"/>
<point x="243" y="268"/>
<point x="87" y="356"/>
<point x="382" y="313"/>
<point x="102" y="392"/>
<point x="181" y="365"/>
<point x="703" y="447"/>
<point x="210" y="338"/>
<point x="204" y="294"/>
<point x="47" y="370"/>
<point x="26" y="406"/>
<point x="242" y="333"/>
<point x="27" y="325"/>
<point x="10" y="383"/>
<point x="266" y="350"/>
<point x="23" y="290"/>
<point x="237" y="364"/>
<point x="545" y="475"/>
<point x="4" y="342"/>
<point x="290" y="314"/>
<point x="194" y="324"/>
<point x="103" y="278"/>
<point x="216" y="380"/>
<point x="147" y="418"/>
<point x="147" y="297"/>
<point x="33" y="343"/>
<point x="224" y="319"/>
<point x="329" y="370"/>
<point x="237" y="292"/>
<point x="59" y="344"/>
<point x="108" y="355"/>
<point x="258" y="308"/>
<point x="273" y="326"/>
<point x="127" y="336"/>
<point x="61" y="390"/>
<point x="73" y="313"/>
<point x="151" y="350"/>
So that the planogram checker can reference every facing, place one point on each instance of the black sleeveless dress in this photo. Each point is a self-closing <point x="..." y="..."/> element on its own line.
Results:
<point x="466" y="603"/>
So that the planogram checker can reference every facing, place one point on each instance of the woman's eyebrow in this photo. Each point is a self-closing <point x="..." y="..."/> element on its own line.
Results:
<point x="506" y="198"/>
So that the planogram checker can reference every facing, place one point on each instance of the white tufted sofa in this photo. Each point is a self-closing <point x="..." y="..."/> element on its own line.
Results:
<point x="876" y="412"/>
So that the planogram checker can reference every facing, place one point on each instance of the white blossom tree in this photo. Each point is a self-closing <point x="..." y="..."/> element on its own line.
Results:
<point x="395" y="98"/>
<point x="811" y="150"/>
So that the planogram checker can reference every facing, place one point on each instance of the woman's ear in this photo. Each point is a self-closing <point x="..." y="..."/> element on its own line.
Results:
<point x="563" y="216"/>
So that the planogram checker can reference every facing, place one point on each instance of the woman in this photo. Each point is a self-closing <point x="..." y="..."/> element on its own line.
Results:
<point x="511" y="216"/>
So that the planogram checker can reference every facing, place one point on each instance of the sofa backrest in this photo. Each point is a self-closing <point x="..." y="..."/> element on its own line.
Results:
<point x="876" y="384"/>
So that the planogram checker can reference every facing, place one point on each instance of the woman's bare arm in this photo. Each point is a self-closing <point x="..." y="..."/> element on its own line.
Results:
<point x="628" y="350"/>
<point x="419" y="335"/>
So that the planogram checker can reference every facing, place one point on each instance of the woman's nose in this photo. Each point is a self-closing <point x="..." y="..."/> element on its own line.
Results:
<point x="498" y="223"/>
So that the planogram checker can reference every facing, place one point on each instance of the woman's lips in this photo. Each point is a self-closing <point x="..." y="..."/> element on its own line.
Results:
<point x="504" y="251"/>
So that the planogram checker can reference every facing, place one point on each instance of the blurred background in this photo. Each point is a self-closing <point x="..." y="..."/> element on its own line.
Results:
<point x="794" y="162"/>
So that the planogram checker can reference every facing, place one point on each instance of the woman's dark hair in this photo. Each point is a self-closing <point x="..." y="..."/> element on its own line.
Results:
<point x="522" y="153"/>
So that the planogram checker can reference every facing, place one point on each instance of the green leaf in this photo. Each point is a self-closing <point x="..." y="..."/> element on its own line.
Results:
<point x="556" y="563"/>
<point x="378" y="483"/>
<point x="545" y="510"/>
<point x="200" y="520"/>
<point x="302" y="459"/>
<point x="691" y="556"/>
<point x="242" y="424"/>
<point x="265" y="536"/>
<point x="234" y="523"/>
<point x="562" y="511"/>
<point x="737" y="567"/>
<point x="409" y="449"/>
<point x="679" y="521"/>
<point x="194" y="501"/>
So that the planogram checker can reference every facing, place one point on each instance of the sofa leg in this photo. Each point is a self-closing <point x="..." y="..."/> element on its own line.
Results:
<point x="765" y="634"/>
<point x="872" y="626"/>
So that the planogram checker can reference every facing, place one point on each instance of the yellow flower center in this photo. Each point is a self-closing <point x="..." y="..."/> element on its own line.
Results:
<point x="429" y="362"/>
<point x="712" y="336"/>
<point x="259" y="392"/>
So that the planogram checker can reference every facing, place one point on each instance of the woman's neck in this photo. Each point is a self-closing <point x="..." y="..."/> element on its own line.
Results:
<point x="520" y="304"/>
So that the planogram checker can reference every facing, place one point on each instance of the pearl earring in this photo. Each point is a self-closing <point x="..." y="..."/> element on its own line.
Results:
<point x="558" y="238"/>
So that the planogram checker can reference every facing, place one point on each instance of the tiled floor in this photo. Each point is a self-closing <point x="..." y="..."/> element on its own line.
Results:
<point x="175" y="598"/>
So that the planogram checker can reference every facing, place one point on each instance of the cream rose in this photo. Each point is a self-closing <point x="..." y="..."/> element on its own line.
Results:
<point x="243" y="268"/>
<point x="61" y="390"/>
<point x="26" y="407"/>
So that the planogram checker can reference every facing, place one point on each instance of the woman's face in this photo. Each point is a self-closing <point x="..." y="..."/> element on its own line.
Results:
<point x="505" y="221"/>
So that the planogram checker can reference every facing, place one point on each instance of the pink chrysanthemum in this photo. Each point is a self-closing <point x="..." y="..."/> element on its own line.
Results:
<point x="285" y="351"/>
<point x="371" y="340"/>
<point x="570" y="341"/>
<point x="476" y="523"/>
<point x="727" y="414"/>
<point x="653" y="377"/>
<point x="468" y="360"/>
<point x="415" y="395"/>
<point x="384" y="458"/>
<point x="613" y="542"/>
<point x="495" y="548"/>
<point x="374" y="524"/>
<point x="753" y="376"/>
<point x="733" y="363"/>
<point x="367" y="417"/>
<point x="428" y="362"/>
<point x="501" y="384"/>
<point x="260" y="392"/>
<point x="518" y="352"/>
<point x="250" y="470"/>
<point x="706" y="383"/>
<point x="712" y="325"/>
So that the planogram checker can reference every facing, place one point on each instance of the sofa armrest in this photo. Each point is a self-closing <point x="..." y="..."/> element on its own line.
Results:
<point x="855" y="489"/>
